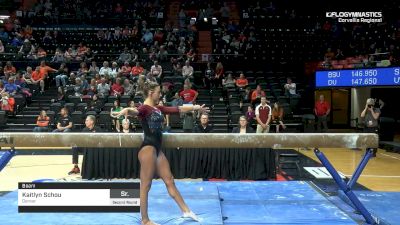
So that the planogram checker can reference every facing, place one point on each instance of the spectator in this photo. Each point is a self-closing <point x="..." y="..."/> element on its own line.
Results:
<point x="219" y="75"/>
<point x="126" y="126"/>
<point x="147" y="37"/>
<point x="82" y="51"/>
<point x="7" y="102"/>
<point x="229" y="82"/>
<point x="187" y="70"/>
<point x="370" y="116"/>
<point x="93" y="69"/>
<point x="128" y="88"/>
<point x="58" y="56"/>
<point x="42" y="122"/>
<point x="27" y="49"/>
<point x="28" y="75"/>
<point x="11" y="88"/>
<point x="137" y="70"/>
<point x="203" y="127"/>
<point x="114" y="70"/>
<point x="140" y="85"/>
<point x="242" y="82"/>
<point x="44" y="69"/>
<point x="83" y="70"/>
<point x="92" y="89"/>
<point x="263" y="116"/>
<point x="322" y="110"/>
<point x="9" y="70"/>
<point x="126" y="69"/>
<point x="64" y="123"/>
<point x="90" y="127"/>
<point x="105" y="70"/>
<point x="38" y="78"/>
<point x="80" y="87"/>
<point x="208" y="75"/>
<point x="242" y="128"/>
<point x="277" y="117"/>
<point x="156" y="70"/>
<point x="117" y="89"/>
<point x="329" y="55"/>
<point x="176" y="100"/>
<point x="290" y="87"/>
<point x="41" y="54"/>
<point x="190" y="55"/>
<point x="62" y="76"/>
<point x="182" y="18"/>
<point x="257" y="94"/>
<point x="188" y="95"/>
<point x="225" y="12"/>
<point x="250" y="114"/>
<point x="162" y="54"/>
<point x="125" y="56"/>
<point x="68" y="55"/>
<point x="117" y="122"/>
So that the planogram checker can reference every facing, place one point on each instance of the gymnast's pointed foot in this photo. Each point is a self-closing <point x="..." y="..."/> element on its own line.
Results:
<point x="191" y="215"/>
<point x="149" y="222"/>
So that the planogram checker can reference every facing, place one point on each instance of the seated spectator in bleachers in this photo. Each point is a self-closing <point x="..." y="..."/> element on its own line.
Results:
<point x="41" y="54"/>
<point x="204" y="126"/>
<point x="9" y="69"/>
<point x="42" y="122"/>
<point x="219" y="75"/>
<point x="62" y="77"/>
<point x="125" y="56"/>
<point x="162" y="54"/>
<point x="147" y="37"/>
<point x="257" y="94"/>
<point x="94" y="105"/>
<point x="117" y="122"/>
<point x="228" y="82"/>
<point x="126" y="126"/>
<point x="97" y="78"/>
<point x="44" y="69"/>
<point x="242" y="81"/>
<point x="117" y="89"/>
<point x="188" y="95"/>
<point x="176" y="100"/>
<point x="290" y="88"/>
<point x="191" y="55"/>
<point x="263" y="116"/>
<point x="83" y="70"/>
<point x="105" y="70"/>
<point x="38" y="79"/>
<point x="208" y="75"/>
<point x="81" y="52"/>
<point x="68" y="55"/>
<point x="80" y="87"/>
<point x="92" y="89"/>
<point x="103" y="89"/>
<point x="27" y="49"/>
<point x="7" y="102"/>
<point x="187" y="70"/>
<point x="140" y="85"/>
<point x="114" y="70"/>
<point x="277" y="117"/>
<point x="58" y="56"/>
<point x="126" y="69"/>
<point x="250" y="114"/>
<point x="10" y="87"/>
<point x="94" y="69"/>
<point x="64" y="122"/>
<point x="28" y="75"/>
<point x="22" y="85"/>
<point x="243" y="128"/>
<point x="129" y="89"/>
<point x="137" y="70"/>
<point x="156" y="70"/>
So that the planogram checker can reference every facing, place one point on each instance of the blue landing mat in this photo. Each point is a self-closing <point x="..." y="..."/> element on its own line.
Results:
<point x="384" y="205"/>
<point x="243" y="203"/>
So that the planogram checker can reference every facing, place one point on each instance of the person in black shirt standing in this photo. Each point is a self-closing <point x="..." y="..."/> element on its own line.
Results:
<point x="91" y="127"/>
<point x="64" y="123"/>
<point x="203" y="127"/>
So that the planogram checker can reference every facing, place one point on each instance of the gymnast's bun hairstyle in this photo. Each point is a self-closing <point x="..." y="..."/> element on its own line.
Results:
<point x="149" y="86"/>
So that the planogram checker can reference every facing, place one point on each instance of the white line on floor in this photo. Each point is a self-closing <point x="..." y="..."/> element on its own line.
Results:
<point x="390" y="156"/>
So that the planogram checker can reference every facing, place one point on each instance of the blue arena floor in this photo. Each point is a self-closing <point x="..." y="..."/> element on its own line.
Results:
<point x="247" y="203"/>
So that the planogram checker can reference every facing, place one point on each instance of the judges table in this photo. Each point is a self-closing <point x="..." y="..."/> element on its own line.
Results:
<point x="227" y="163"/>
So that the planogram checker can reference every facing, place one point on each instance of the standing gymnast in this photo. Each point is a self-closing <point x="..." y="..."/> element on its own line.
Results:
<point x="151" y="158"/>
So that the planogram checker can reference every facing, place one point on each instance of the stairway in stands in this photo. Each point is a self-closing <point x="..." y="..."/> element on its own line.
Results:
<point x="25" y="120"/>
<point x="218" y="116"/>
<point x="173" y="11"/>
<point x="204" y="43"/>
<point x="234" y="15"/>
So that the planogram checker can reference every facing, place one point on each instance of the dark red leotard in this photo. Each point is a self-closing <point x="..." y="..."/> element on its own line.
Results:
<point x="152" y="120"/>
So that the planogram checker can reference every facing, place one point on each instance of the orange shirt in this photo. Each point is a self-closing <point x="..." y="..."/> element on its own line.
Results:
<point x="254" y="95"/>
<point x="277" y="114"/>
<point x="45" y="70"/>
<point x="136" y="70"/>
<point x="43" y="122"/>
<point x="242" y="82"/>
<point x="37" y="75"/>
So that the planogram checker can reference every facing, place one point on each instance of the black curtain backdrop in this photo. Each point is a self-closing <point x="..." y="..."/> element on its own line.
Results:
<point x="231" y="164"/>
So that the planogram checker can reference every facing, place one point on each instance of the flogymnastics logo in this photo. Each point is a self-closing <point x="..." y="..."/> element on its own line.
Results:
<point x="356" y="17"/>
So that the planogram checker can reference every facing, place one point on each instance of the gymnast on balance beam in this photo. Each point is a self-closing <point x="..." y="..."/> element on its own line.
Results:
<point x="151" y="158"/>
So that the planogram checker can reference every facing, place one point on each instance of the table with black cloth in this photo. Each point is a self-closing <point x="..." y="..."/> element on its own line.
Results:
<point x="231" y="164"/>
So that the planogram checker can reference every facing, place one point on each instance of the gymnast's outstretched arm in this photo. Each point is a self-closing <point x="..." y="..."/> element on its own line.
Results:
<point x="126" y="112"/>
